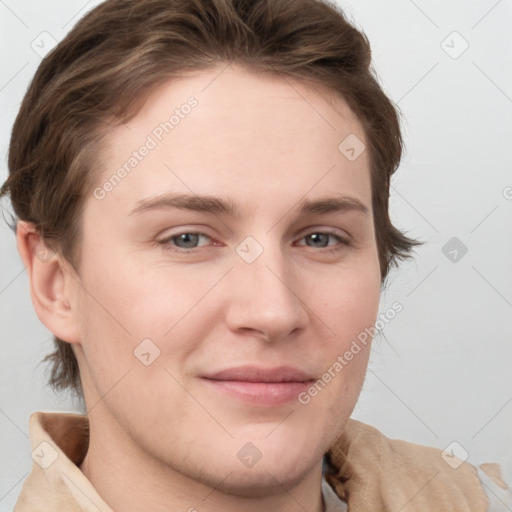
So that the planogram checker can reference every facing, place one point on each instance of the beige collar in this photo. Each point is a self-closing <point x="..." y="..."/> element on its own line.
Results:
<point x="369" y="471"/>
<point x="56" y="482"/>
<point x="374" y="473"/>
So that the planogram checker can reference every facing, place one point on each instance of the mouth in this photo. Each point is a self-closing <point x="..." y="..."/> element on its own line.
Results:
<point x="260" y="386"/>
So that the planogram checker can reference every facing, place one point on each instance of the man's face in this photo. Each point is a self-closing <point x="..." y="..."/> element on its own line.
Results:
<point x="174" y="295"/>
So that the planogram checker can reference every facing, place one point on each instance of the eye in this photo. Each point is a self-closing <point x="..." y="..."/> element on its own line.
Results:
<point x="321" y="239"/>
<point x="188" y="240"/>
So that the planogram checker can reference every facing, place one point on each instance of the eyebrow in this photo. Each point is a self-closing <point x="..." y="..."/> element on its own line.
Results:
<point x="221" y="206"/>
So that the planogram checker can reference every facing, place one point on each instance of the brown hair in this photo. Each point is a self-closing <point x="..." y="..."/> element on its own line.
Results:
<point x="102" y="71"/>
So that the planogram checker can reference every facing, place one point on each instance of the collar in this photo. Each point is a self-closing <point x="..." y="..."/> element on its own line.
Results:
<point x="373" y="472"/>
<point x="366" y="469"/>
<point x="59" y="444"/>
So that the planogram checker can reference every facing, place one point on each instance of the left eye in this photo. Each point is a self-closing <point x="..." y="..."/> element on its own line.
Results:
<point x="187" y="240"/>
<point x="321" y="239"/>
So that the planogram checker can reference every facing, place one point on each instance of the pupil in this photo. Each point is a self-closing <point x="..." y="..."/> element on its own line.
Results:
<point x="187" y="240"/>
<point x="317" y="237"/>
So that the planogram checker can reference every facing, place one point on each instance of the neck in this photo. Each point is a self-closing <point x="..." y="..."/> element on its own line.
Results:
<point x="131" y="480"/>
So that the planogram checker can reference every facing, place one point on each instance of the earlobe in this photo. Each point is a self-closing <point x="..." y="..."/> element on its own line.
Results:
<point x="50" y="283"/>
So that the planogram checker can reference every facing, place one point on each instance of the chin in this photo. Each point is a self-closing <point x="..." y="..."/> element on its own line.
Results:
<point x="259" y="482"/>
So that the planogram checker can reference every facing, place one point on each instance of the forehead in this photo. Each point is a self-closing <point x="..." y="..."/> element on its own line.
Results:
<point x="231" y="130"/>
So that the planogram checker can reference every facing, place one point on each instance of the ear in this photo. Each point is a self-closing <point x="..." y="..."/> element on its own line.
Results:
<point x="52" y="286"/>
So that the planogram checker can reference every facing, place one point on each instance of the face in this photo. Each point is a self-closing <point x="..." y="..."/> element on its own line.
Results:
<point x="223" y="274"/>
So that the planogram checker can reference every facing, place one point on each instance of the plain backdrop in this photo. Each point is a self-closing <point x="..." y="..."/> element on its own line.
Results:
<point x="441" y="369"/>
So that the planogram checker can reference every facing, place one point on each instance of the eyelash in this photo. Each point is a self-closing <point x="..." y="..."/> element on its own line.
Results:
<point x="165" y="243"/>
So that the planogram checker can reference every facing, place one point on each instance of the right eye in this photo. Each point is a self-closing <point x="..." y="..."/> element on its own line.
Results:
<point x="184" y="241"/>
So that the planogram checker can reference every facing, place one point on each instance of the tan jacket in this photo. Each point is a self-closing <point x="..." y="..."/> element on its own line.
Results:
<point x="374" y="473"/>
<point x="369" y="471"/>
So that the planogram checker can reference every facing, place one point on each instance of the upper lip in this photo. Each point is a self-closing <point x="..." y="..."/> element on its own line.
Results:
<point x="258" y="374"/>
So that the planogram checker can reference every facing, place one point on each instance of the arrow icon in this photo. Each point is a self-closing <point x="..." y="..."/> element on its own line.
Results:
<point x="454" y="45"/>
<point x="249" y="455"/>
<point x="454" y="249"/>
<point x="43" y="43"/>
<point x="351" y="147"/>
<point x="147" y="352"/>
<point x="454" y="460"/>
<point x="249" y="249"/>
<point x="44" y="455"/>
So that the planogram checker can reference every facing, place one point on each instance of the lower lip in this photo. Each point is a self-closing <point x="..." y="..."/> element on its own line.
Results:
<point x="261" y="393"/>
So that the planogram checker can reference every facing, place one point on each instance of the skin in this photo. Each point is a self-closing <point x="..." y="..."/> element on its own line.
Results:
<point x="161" y="437"/>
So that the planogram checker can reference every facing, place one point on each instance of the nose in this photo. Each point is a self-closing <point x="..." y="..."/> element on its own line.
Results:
<point x="265" y="298"/>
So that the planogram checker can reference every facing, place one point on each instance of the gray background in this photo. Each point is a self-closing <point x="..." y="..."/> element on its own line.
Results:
<point x="441" y="370"/>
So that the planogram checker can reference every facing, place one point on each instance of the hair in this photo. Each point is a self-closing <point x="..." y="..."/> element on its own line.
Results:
<point x="101" y="73"/>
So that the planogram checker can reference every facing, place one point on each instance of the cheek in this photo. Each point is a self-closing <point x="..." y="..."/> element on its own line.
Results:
<point x="124" y="304"/>
<point x="348" y="307"/>
<point x="348" y="301"/>
<point x="349" y="311"/>
<point x="131" y="300"/>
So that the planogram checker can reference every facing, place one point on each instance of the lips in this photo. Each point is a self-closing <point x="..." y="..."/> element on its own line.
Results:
<point x="255" y="374"/>
<point x="260" y="386"/>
